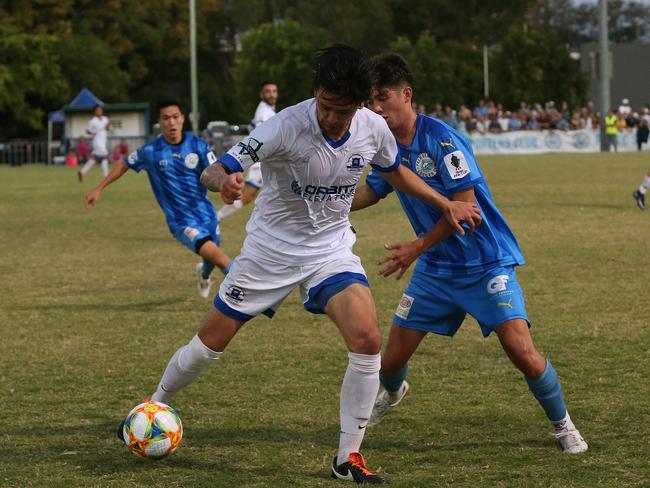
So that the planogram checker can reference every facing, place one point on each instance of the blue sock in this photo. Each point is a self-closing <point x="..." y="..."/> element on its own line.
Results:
<point x="207" y="269"/>
<point x="227" y="268"/>
<point x="548" y="392"/>
<point x="393" y="382"/>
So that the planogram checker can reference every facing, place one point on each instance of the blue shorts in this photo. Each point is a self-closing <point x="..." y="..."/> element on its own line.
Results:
<point x="438" y="304"/>
<point x="189" y="236"/>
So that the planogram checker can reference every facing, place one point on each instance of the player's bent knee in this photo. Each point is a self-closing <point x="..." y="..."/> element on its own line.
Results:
<point x="367" y="341"/>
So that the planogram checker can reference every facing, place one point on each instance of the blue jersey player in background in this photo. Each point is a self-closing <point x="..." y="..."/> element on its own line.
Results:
<point x="174" y="163"/>
<point x="454" y="275"/>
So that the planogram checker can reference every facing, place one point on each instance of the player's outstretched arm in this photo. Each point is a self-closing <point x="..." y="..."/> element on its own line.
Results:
<point x="215" y="178"/>
<point x="363" y="197"/>
<point x="404" y="253"/>
<point x="118" y="171"/>
<point x="455" y="212"/>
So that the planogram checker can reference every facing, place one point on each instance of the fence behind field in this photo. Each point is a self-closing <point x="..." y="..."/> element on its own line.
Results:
<point x="16" y="153"/>
<point x="24" y="152"/>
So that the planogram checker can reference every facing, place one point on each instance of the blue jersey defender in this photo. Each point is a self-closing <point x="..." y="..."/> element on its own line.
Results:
<point x="174" y="163"/>
<point x="454" y="274"/>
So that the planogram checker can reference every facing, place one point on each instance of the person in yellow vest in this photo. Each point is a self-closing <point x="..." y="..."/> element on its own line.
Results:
<point x="611" y="131"/>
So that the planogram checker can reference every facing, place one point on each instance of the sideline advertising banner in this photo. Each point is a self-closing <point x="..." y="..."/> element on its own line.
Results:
<point x="548" y="141"/>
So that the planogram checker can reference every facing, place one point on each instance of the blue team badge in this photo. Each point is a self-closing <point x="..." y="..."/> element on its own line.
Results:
<point x="191" y="160"/>
<point x="355" y="163"/>
<point x="425" y="167"/>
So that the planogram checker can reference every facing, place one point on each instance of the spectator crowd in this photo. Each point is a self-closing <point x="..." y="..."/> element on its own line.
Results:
<point x="492" y="117"/>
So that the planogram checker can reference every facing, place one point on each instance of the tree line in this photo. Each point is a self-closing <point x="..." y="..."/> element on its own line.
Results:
<point x="138" y="50"/>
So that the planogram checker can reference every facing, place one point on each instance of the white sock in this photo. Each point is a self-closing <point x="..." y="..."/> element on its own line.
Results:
<point x="228" y="210"/>
<point x="184" y="367"/>
<point x="565" y="424"/>
<point x="105" y="166"/>
<point x="644" y="186"/>
<point x="88" y="166"/>
<point x="358" y="392"/>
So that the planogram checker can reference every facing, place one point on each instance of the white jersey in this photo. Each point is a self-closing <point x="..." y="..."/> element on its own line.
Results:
<point x="263" y="112"/>
<point x="309" y="182"/>
<point x="98" y="127"/>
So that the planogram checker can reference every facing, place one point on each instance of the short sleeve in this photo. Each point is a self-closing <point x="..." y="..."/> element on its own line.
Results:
<point x="378" y="184"/>
<point x="206" y="156"/>
<point x="385" y="159"/>
<point x="455" y="161"/>
<point x="136" y="160"/>
<point x="264" y="142"/>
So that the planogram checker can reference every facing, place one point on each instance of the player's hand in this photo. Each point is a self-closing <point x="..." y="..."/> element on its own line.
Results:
<point x="400" y="260"/>
<point x="458" y="212"/>
<point x="231" y="187"/>
<point x="91" y="198"/>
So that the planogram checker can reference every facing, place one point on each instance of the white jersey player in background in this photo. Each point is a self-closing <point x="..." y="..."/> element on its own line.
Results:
<point x="299" y="236"/>
<point x="253" y="182"/>
<point x="98" y="129"/>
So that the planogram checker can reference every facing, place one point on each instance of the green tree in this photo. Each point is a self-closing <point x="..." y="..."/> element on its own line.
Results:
<point x="283" y="53"/>
<point x="31" y="80"/>
<point x="534" y="65"/>
<point x="449" y="73"/>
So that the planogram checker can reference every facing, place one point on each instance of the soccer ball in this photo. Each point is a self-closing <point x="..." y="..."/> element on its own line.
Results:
<point x="152" y="430"/>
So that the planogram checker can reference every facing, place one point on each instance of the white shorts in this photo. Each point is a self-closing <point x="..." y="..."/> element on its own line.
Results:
<point x="254" y="176"/>
<point x="257" y="284"/>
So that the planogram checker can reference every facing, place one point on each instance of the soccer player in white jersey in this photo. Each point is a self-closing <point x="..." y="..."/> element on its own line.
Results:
<point x="253" y="182"/>
<point x="454" y="275"/>
<point x="98" y="129"/>
<point x="639" y="194"/>
<point x="299" y="236"/>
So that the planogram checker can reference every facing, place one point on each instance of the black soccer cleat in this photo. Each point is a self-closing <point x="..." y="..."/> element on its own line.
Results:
<point x="640" y="199"/>
<point x="120" y="431"/>
<point x="355" y="470"/>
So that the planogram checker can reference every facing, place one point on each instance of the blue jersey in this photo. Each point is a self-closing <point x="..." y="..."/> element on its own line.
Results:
<point x="174" y="172"/>
<point x="444" y="159"/>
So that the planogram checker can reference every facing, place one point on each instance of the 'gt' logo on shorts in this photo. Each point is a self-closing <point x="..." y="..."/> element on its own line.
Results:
<point x="235" y="294"/>
<point x="497" y="284"/>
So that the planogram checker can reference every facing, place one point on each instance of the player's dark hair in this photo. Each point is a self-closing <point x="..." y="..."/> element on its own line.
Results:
<point x="340" y="70"/>
<point x="389" y="70"/>
<point x="169" y="102"/>
<point x="98" y="105"/>
<point x="267" y="82"/>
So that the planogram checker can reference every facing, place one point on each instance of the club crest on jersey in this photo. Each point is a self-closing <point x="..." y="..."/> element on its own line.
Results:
<point x="235" y="294"/>
<point x="425" y="167"/>
<point x="191" y="160"/>
<point x="404" y="306"/>
<point x="162" y="163"/>
<point x="456" y="165"/>
<point x="355" y="163"/>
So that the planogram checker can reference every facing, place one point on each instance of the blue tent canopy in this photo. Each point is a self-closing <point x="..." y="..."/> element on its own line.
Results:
<point x="56" y="116"/>
<point x="85" y="98"/>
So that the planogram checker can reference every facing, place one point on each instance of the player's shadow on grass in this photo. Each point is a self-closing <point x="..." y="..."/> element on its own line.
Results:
<point x="151" y="305"/>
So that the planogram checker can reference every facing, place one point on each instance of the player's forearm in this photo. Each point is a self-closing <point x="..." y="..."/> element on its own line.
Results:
<point x="363" y="197"/>
<point x="442" y="230"/>
<point x="408" y="182"/>
<point x="114" y="175"/>
<point x="213" y="176"/>
<point x="438" y="233"/>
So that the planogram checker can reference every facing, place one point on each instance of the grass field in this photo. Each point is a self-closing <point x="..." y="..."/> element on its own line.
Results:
<point x="93" y="303"/>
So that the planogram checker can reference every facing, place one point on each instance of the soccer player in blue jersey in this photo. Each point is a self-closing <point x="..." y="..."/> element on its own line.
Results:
<point x="174" y="163"/>
<point x="455" y="274"/>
